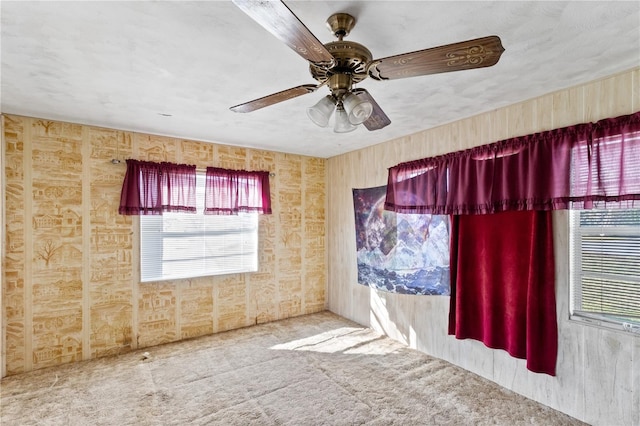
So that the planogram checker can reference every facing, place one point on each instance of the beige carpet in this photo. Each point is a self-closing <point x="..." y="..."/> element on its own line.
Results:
<point x="314" y="370"/>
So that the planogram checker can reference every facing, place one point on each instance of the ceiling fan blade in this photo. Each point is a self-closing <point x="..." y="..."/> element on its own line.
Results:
<point x="280" y="21"/>
<point x="477" y="53"/>
<point x="378" y="118"/>
<point x="275" y="98"/>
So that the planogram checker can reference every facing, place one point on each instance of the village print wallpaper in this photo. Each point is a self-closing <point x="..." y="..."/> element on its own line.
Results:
<point x="70" y="279"/>
<point x="400" y="253"/>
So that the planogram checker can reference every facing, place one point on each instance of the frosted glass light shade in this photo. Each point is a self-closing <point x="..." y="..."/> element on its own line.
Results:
<point x="357" y="110"/>
<point x="321" y="111"/>
<point x="342" y="124"/>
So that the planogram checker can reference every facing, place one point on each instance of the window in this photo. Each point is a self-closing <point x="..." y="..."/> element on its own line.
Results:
<point x="605" y="270"/>
<point x="183" y="245"/>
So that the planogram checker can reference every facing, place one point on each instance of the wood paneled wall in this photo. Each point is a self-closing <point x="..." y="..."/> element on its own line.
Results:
<point x="598" y="374"/>
<point x="70" y="275"/>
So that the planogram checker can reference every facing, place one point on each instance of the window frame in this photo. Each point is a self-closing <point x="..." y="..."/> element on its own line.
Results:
<point x="603" y="320"/>
<point x="244" y="220"/>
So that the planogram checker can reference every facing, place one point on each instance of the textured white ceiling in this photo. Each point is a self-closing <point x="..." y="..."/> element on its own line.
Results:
<point x="125" y="65"/>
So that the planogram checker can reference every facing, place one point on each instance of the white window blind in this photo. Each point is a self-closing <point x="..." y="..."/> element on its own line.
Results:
<point x="183" y="245"/>
<point x="605" y="273"/>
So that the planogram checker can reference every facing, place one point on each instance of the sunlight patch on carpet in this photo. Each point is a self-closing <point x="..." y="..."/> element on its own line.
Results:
<point x="346" y="340"/>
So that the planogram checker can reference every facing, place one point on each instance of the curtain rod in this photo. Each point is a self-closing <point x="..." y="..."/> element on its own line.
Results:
<point x="201" y="170"/>
<point x="198" y="169"/>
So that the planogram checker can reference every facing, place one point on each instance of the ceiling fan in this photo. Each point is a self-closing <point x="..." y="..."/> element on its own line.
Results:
<point x="341" y="64"/>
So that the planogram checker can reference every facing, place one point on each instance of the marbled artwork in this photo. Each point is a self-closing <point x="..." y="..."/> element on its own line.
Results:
<point x="400" y="253"/>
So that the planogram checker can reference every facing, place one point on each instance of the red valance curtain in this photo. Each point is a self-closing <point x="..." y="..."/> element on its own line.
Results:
<point x="232" y="191"/>
<point x="583" y="166"/>
<point x="153" y="188"/>
<point x="503" y="286"/>
<point x="606" y="172"/>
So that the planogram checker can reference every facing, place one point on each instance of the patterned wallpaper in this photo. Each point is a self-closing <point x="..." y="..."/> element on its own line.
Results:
<point x="70" y="275"/>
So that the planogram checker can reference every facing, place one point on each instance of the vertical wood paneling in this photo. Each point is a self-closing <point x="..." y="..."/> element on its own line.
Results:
<point x="607" y="369"/>
<point x="545" y="113"/>
<point x="635" y="375"/>
<point x="85" y="148"/>
<point x="111" y="253"/>
<point x="338" y="273"/>
<point x="424" y="325"/>
<point x="609" y="97"/>
<point x="71" y="265"/>
<point x="431" y="339"/>
<point x="508" y="370"/>
<point x="28" y="249"/>
<point x="56" y="230"/>
<point x="570" y="349"/>
<point x="476" y="357"/>
<point x="13" y="268"/>
<point x="195" y="309"/>
<point x="3" y="320"/>
<point x="313" y="275"/>
<point x="443" y="139"/>
<point x="568" y="107"/>
<point x="635" y="91"/>
<point x="522" y="118"/>
<point x="135" y="259"/>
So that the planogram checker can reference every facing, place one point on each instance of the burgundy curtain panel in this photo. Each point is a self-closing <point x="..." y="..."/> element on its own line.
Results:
<point x="606" y="172"/>
<point x="502" y="285"/>
<point x="233" y="191"/>
<point x="178" y="183"/>
<point x="153" y="188"/>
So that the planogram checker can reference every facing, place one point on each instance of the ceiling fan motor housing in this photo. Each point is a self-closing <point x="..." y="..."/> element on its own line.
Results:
<point x="351" y="58"/>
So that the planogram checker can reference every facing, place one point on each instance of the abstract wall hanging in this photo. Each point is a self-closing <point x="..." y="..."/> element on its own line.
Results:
<point x="400" y="253"/>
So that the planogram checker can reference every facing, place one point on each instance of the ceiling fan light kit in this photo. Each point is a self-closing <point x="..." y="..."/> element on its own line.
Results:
<point x="357" y="109"/>
<point x="342" y="124"/>
<point x="350" y="109"/>
<point x="341" y="64"/>
<point x="321" y="112"/>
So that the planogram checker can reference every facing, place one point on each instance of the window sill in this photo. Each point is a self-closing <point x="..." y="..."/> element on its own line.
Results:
<point x="625" y="327"/>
